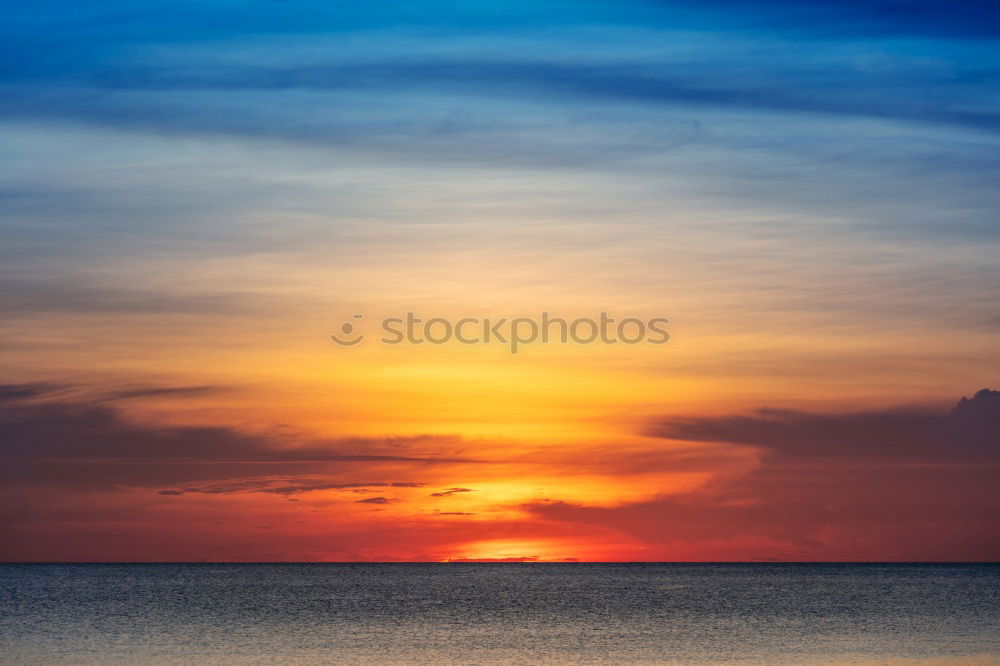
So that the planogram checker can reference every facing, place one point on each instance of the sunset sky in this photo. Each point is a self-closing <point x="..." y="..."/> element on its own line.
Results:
<point x="195" y="195"/>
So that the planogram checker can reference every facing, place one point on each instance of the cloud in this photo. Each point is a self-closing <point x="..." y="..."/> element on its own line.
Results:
<point x="970" y="432"/>
<point x="374" y="500"/>
<point x="523" y="558"/>
<point x="21" y="297"/>
<point x="166" y="391"/>
<point x="896" y="484"/>
<point x="807" y="510"/>
<point x="88" y="445"/>
<point x="85" y="394"/>
<point x="286" y="486"/>
<point x="511" y="95"/>
<point x="230" y="100"/>
<point x="658" y="84"/>
<point x="306" y="487"/>
<point x="452" y="491"/>
<point x="28" y="391"/>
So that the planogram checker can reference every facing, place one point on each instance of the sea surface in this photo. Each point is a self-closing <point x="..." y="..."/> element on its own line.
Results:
<point x="499" y="613"/>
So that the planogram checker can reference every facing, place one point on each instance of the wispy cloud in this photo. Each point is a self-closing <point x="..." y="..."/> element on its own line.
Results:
<point x="452" y="491"/>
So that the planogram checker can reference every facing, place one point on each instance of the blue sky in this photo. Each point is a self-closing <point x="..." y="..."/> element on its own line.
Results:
<point x="814" y="155"/>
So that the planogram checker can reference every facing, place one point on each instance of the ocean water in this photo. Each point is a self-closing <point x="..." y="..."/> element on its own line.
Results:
<point x="499" y="613"/>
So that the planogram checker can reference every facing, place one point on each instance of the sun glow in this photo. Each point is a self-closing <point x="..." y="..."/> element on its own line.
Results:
<point x="515" y="550"/>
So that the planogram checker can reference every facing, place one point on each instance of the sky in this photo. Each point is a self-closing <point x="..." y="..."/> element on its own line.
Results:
<point x="195" y="196"/>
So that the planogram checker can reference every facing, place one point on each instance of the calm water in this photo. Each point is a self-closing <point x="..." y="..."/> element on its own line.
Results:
<point x="490" y="613"/>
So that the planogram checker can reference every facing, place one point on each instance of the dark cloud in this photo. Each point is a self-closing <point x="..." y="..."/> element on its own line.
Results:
<point x="88" y="445"/>
<point x="296" y="488"/>
<point x="452" y="491"/>
<point x="287" y="486"/>
<point x="968" y="433"/>
<point x="796" y="510"/>
<point x="914" y="484"/>
<point x="28" y="391"/>
<point x="374" y="500"/>
<point x="225" y="487"/>
<point x="166" y="391"/>
<point x="45" y="391"/>
<point x="523" y="558"/>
